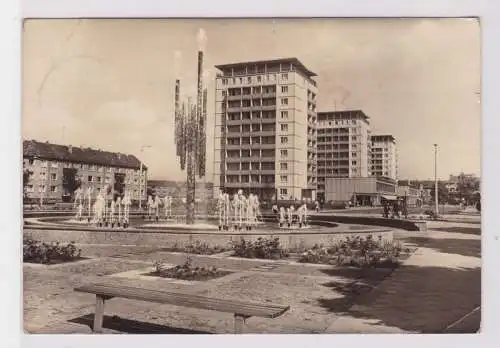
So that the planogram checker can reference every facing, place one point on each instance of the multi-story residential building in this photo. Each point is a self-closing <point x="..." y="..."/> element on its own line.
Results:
<point x="53" y="170"/>
<point x="265" y="136"/>
<point x="384" y="157"/>
<point x="343" y="146"/>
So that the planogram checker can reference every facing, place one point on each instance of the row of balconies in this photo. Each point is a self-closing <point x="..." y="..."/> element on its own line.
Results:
<point x="256" y="96"/>
<point x="251" y="146"/>
<point x="254" y="131"/>
<point x="250" y="171"/>
<point x="255" y="158"/>
<point x="254" y="185"/>
<point x="250" y="121"/>
<point x="252" y="108"/>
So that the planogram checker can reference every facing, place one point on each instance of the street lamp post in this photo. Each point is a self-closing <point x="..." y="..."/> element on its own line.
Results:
<point x="141" y="176"/>
<point x="435" y="179"/>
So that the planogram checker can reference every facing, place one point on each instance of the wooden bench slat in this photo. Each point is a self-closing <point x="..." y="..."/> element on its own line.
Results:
<point x="249" y="309"/>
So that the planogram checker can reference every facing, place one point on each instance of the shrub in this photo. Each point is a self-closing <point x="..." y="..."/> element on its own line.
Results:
<point x="262" y="248"/>
<point x="357" y="252"/>
<point x="198" y="248"/>
<point x="40" y="252"/>
<point x="187" y="271"/>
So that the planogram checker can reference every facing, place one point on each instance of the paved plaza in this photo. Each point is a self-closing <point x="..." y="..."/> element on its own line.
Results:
<point x="442" y="276"/>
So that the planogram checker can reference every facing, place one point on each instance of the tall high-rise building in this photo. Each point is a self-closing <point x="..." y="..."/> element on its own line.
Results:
<point x="343" y="146"/>
<point x="384" y="156"/>
<point x="265" y="129"/>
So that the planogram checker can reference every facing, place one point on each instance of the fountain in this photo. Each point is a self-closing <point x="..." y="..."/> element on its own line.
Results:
<point x="88" y="198"/>
<point x="236" y="213"/>
<point x="156" y="207"/>
<point x="126" y="202"/>
<point x="167" y="203"/>
<point x="240" y="212"/>
<point x="150" y="204"/>
<point x="190" y="132"/>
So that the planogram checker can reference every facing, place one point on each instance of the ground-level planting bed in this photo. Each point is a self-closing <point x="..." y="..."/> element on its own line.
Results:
<point x="262" y="248"/>
<point x="361" y="252"/>
<point x="186" y="271"/>
<point x="197" y="248"/>
<point x="50" y="253"/>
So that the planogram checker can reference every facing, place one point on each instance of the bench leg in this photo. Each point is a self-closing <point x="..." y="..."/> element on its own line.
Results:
<point x="99" y="314"/>
<point x="239" y="323"/>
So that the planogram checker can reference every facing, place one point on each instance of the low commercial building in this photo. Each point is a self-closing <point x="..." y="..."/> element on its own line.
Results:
<point x="53" y="172"/>
<point x="367" y="191"/>
<point x="411" y="194"/>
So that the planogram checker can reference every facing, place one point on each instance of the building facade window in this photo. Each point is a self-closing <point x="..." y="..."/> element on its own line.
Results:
<point x="284" y="101"/>
<point x="89" y="178"/>
<point x="53" y="176"/>
<point x="284" y="178"/>
<point x="284" y="127"/>
<point x="284" y="114"/>
<point x="284" y="166"/>
<point x="283" y="191"/>
<point x="284" y="153"/>
<point x="53" y="189"/>
<point x="284" y="89"/>
<point x="284" y="140"/>
<point x="284" y="76"/>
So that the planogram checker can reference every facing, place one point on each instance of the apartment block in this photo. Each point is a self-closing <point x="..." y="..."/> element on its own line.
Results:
<point x="384" y="156"/>
<point x="53" y="170"/>
<point x="343" y="146"/>
<point x="265" y="129"/>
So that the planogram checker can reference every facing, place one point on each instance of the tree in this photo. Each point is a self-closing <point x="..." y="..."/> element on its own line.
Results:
<point x="26" y="178"/>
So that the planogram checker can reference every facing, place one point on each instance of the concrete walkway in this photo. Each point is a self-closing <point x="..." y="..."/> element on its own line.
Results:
<point x="434" y="291"/>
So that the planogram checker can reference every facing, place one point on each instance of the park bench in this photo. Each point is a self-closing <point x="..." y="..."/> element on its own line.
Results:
<point x="240" y="309"/>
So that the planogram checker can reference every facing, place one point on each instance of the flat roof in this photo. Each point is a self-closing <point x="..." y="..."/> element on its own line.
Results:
<point x="357" y="112"/>
<point x="382" y="137"/>
<point x="297" y="63"/>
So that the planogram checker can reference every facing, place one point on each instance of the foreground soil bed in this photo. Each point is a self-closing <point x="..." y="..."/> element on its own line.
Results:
<point x="54" y="261"/>
<point x="171" y="273"/>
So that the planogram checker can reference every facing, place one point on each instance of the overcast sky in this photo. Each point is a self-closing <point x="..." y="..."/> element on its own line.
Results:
<point x="109" y="83"/>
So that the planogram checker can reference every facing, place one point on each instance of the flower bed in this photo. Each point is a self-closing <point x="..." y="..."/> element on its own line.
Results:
<point x="187" y="271"/>
<point x="358" y="252"/>
<point x="198" y="248"/>
<point x="53" y="253"/>
<point x="262" y="248"/>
